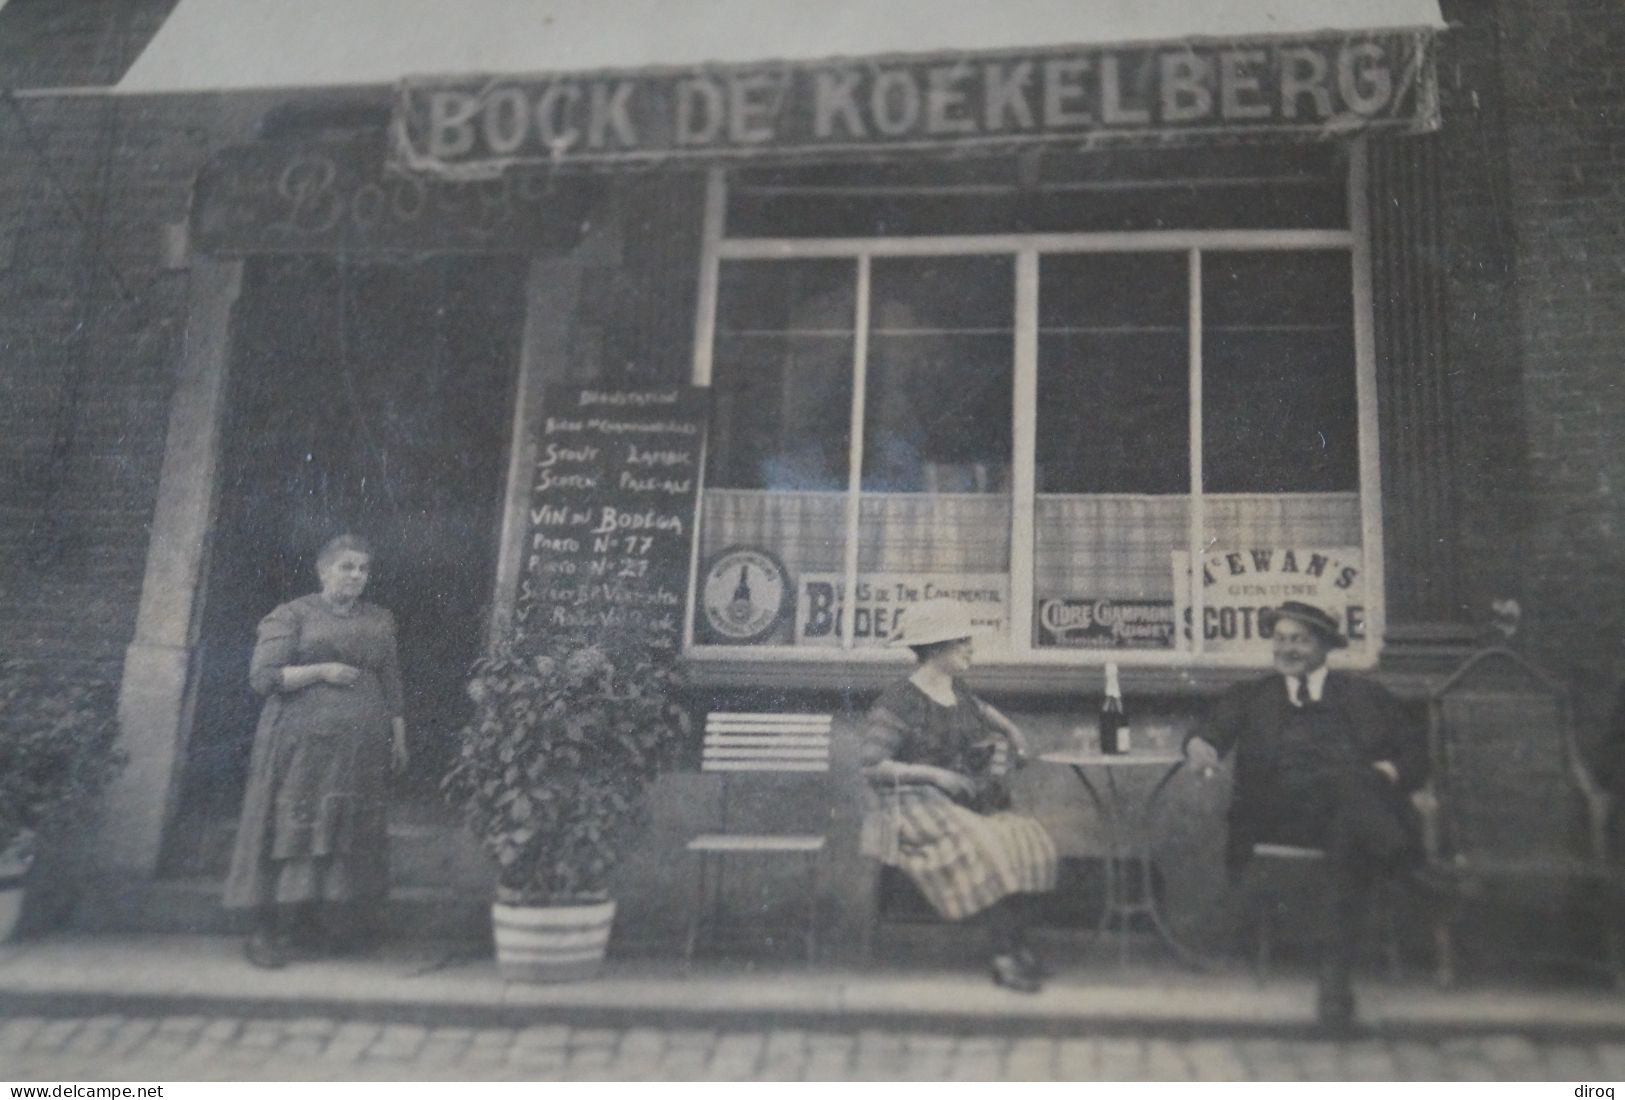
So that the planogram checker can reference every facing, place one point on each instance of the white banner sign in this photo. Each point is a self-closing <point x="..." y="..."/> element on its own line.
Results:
<point x="1238" y="584"/>
<point x="884" y="598"/>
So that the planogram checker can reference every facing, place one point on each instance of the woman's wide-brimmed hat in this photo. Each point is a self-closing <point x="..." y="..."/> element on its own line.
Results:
<point x="1307" y="614"/>
<point x="934" y="621"/>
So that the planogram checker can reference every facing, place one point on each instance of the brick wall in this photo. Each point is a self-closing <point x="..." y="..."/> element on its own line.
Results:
<point x="1563" y="69"/>
<point x="90" y="323"/>
<point x="1483" y="317"/>
<point x="74" y="43"/>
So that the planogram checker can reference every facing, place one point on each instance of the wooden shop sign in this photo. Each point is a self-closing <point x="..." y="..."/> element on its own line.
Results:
<point x="1303" y="87"/>
<point x="336" y="196"/>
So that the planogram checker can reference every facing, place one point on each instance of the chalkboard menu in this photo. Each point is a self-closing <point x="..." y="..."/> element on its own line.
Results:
<point x="612" y="506"/>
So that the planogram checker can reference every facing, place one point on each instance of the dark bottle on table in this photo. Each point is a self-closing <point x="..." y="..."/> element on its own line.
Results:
<point x="1114" y="731"/>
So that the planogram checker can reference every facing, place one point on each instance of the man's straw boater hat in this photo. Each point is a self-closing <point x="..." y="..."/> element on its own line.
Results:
<point x="934" y="621"/>
<point x="1307" y="614"/>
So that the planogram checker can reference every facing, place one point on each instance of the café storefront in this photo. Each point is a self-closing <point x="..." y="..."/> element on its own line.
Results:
<point x="1108" y="328"/>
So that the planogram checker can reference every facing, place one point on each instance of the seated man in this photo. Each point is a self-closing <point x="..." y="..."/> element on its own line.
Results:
<point x="1325" y="760"/>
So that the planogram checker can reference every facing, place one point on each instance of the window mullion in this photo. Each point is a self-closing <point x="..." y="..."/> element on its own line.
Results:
<point x="705" y="338"/>
<point x="854" y="479"/>
<point x="705" y="314"/>
<point x="1196" y="541"/>
<point x="1023" y="476"/>
<point x="1365" y="360"/>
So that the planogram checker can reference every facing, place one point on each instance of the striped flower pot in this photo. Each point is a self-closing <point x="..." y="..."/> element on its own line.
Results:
<point x="15" y="861"/>
<point x="551" y="943"/>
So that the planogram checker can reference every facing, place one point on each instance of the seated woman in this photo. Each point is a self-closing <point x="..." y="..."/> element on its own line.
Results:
<point x="940" y="815"/>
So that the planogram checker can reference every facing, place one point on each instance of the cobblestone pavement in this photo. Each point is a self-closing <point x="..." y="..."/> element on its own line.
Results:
<point x="182" y="1048"/>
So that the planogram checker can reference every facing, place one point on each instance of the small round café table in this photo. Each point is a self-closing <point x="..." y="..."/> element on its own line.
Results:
<point x="1129" y="893"/>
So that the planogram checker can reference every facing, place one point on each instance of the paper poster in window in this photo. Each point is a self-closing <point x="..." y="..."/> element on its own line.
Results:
<point x="743" y="596"/>
<point x="1093" y="622"/>
<point x="884" y="598"/>
<point x="1238" y="584"/>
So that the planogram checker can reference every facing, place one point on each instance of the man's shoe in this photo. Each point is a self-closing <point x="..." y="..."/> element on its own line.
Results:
<point x="1011" y="974"/>
<point x="266" y="951"/>
<point x="1334" y="1005"/>
<point x="1034" y="965"/>
<point x="349" y="941"/>
<point x="303" y="942"/>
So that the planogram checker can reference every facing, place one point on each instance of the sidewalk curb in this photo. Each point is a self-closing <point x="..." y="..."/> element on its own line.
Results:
<point x="485" y="1015"/>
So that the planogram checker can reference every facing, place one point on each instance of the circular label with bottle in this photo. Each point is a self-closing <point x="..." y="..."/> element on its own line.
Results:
<point x="743" y="596"/>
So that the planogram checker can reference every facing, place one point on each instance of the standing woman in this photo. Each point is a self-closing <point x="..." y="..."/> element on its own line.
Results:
<point x="310" y="851"/>
<point x="941" y="815"/>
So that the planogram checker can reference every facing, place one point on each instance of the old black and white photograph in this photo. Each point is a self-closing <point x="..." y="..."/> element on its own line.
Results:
<point x="812" y="540"/>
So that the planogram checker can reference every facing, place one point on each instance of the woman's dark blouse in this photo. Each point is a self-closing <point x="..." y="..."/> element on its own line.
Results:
<point x="908" y="726"/>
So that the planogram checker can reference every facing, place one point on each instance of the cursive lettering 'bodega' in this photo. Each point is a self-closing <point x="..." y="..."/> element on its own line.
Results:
<point x="614" y="519"/>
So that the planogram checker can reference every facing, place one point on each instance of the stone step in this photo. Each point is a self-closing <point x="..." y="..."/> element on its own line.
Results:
<point x="192" y="905"/>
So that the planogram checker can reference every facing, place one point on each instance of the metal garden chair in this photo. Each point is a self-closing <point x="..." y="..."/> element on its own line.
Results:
<point x="741" y="744"/>
<point x="1516" y="803"/>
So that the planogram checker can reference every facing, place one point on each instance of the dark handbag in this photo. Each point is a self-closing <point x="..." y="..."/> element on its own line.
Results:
<point x="992" y="793"/>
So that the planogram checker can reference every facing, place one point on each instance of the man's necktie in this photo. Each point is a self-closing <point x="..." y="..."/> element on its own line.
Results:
<point x="1298" y="698"/>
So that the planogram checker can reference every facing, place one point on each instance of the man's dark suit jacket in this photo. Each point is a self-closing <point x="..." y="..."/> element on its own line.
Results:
<point x="1249" y="719"/>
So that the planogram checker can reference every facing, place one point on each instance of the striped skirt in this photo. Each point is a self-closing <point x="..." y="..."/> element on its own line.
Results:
<point x="962" y="861"/>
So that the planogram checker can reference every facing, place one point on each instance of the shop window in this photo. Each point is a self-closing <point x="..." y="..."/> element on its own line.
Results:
<point x="1278" y="394"/>
<point x="1280" y="441"/>
<point x="1046" y="191"/>
<point x="1009" y="420"/>
<point x="935" y="506"/>
<point x="935" y="446"/>
<point x="1113" y="469"/>
<point x="783" y="376"/>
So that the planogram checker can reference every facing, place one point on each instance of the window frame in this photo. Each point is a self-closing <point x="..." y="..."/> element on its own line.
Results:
<point x="1026" y="250"/>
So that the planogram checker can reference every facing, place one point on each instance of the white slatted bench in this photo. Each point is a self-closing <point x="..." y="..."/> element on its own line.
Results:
<point x="738" y="743"/>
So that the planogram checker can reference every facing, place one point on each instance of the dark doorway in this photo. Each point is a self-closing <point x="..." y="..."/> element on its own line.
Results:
<point x="375" y="397"/>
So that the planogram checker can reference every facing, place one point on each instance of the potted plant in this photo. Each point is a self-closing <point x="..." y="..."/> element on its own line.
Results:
<point x="550" y="777"/>
<point x="56" y="756"/>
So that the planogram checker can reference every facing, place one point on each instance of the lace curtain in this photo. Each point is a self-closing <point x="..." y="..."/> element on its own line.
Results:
<point x="1099" y="545"/>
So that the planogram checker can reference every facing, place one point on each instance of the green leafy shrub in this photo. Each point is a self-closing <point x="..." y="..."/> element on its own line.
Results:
<point x="56" y="748"/>
<point x="551" y="771"/>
